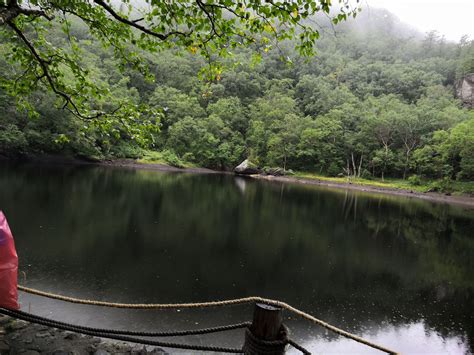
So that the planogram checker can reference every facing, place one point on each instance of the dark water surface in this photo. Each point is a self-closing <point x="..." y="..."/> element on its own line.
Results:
<point x="397" y="271"/>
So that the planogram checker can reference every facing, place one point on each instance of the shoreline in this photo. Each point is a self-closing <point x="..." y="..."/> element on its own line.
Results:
<point x="465" y="201"/>
<point x="460" y="200"/>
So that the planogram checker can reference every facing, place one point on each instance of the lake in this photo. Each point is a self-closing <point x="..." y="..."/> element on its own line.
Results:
<point x="395" y="270"/>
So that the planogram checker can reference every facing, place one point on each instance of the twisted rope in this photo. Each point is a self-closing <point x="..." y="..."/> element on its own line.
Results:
<point x="254" y="345"/>
<point x="63" y="326"/>
<point x="177" y="333"/>
<point x="120" y="334"/>
<point x="237" y="301"/>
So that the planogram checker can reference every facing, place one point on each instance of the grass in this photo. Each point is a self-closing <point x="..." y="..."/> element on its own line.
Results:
<point x="424" y="185"/>
<point x="165" y="157"/>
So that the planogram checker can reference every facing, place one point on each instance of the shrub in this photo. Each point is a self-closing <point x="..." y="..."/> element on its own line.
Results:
<point x="172" y="159"/>
<point x="125" y="150"/>
<point x="365" y="174"/>
<point x="443" y="185"/>
<point x="415" y="180"/>
<point x="12" y="140"/>
<point x="334" y="169"/>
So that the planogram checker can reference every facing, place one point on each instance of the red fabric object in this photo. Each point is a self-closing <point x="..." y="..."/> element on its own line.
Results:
<point x="8" y="267"/>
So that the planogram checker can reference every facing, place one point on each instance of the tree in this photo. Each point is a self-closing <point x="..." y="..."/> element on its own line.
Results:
<point x="371" y="102"/>
<point x="380" y="125"/>
<point x="283" y="141"/>
<point x="230" y="111"/>
<point x="175" y="105"/>
<point x="460" y="148"/>
<point x="320" y="145"/>
<point x="319" y="95"/>
<point x="212" y="28"/>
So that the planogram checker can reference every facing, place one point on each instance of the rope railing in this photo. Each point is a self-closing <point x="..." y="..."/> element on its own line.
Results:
<point x="131" y="336"/>
<point x="236" y="301"/>
<point x="53" y="324"/>
<point x="164" y="334"/>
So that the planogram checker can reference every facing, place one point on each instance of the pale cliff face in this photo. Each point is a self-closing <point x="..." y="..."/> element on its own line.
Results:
<point x="465" y="90"/>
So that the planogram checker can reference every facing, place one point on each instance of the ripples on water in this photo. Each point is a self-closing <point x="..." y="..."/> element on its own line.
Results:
<point x="397" y="271"/>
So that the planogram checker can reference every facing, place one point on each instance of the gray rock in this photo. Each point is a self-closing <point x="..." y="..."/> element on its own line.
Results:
<point x="41" y="327"/>
<point x="28" y="352"/>
<point x="4" y="348"/>
<point x="61" y="352"/>
<point x="465" y="90"/>
<point x="17" y="324"/>
<point x="101" y="352"/>
<point x="274" y="171"/>
<point x="277" y="171"/>
<point x="43" y="335"/>
<point x="91" y="348"/>
<point x="247" y="168"/>
<point x="158" y="351"/>
<point x="72" y="336"/>
<point x="138" y="351"/>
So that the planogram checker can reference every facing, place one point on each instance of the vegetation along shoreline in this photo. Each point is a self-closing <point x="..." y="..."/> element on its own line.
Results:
<point x="466" y="201"/>
<point x="362" y="185"/>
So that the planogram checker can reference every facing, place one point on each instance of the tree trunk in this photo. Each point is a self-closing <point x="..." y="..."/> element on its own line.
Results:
<point x="360" y="166"/>
<point x="405" y="169"/>
<point x="354" y="170"/>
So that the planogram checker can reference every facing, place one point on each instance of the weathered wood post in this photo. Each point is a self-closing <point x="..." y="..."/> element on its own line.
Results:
<point x="266" y="335"/>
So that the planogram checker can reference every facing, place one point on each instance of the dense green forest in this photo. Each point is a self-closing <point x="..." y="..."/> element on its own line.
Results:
<point x="377" y="100"/>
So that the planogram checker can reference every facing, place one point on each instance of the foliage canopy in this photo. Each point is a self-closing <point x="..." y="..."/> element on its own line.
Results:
<point x="212" y="28"/>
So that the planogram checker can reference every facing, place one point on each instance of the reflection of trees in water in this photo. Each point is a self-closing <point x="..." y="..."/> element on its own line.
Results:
<point x="340" y="254"/>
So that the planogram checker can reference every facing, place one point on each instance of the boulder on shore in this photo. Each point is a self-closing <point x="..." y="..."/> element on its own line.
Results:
<point x="276" y="171"/>
<point x="247" y="168"/>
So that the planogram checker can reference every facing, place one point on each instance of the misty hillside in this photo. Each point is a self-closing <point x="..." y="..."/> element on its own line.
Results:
<point x="377" y="100"/>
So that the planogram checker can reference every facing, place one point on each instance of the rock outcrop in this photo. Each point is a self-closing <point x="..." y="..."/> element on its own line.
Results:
<point x="277" y="171"/>
<point x="247" y="168"/>
<point x="465" y="90"/>
<point x="19" y="337"/>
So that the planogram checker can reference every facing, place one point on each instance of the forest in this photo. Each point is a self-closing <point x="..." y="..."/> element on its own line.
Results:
<point x="376" y="101"/>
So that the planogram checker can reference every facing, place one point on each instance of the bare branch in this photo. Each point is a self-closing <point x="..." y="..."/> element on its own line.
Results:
<point x="134" y="24"/>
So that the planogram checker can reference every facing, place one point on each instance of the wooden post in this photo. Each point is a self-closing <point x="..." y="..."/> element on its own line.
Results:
<point x="266" y="326"/>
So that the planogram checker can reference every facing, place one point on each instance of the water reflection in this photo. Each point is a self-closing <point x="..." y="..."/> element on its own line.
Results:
<point x="378" y="265"/>
<point x="407" y="339"/>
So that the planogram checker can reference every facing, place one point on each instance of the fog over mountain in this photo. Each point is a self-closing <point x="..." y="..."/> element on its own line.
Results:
<point x="451" y="18"/>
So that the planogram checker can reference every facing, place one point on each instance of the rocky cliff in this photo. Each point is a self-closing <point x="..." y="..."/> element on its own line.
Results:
<point x="465" y="90"/>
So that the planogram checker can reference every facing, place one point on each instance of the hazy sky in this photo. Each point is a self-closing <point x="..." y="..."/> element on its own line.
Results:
<point x="452" y="18"/>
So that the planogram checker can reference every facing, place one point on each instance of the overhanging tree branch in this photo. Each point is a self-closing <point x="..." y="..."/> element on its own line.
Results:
<point x="210" y="27"/>
<point x="13" y="10"/>
<point x="44" y="64"/>
<point x="136" y="25"/>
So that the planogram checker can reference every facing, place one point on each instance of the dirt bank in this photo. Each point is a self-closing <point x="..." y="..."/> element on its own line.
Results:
<point x="465" y="201"/>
